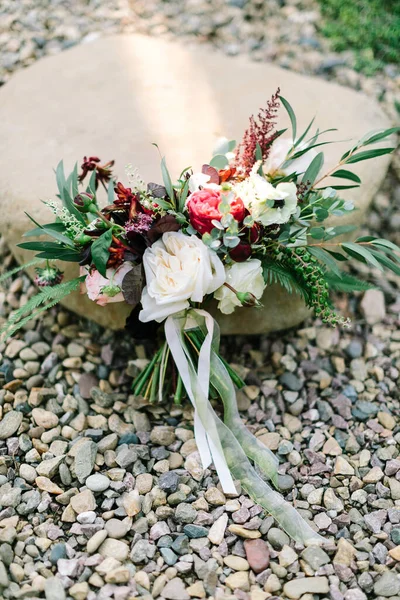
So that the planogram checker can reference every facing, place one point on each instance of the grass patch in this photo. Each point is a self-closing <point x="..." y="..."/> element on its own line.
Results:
<point x="369" y="27"/>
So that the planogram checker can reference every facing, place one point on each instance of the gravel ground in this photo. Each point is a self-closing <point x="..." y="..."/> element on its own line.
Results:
<point x="101" y="497"/>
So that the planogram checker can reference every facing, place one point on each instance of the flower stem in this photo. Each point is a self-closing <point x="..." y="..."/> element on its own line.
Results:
<point x="178" y="391"/>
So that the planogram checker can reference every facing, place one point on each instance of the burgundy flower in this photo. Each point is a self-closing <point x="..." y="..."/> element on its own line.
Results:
<point x="103" y="172"/>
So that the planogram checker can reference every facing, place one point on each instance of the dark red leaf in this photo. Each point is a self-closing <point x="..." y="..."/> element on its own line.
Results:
<point x="163" y="225"/>
<point x="132" y="285"/>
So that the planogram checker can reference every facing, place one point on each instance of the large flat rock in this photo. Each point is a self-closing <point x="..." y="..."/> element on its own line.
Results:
<point x="115" y="96"/>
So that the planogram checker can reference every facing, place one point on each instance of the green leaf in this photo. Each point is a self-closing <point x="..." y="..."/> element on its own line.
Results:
<point x="219" y="161"/>
<point x="303" y="135"/>
<point x="110" y="192"/>
<point x="38" y="246"/>
<point x="386" y="262"/>
<point x="74" y="181"/>
<point x="259" y="157"/>
<point x="347" y="283"/>
<point x="367" y="154"/>
<point x="300" y="153"/>
<point x="53" y="230"/>
<point x="325" y="258"/>
<point x="313" y="169"/>
<point x="380" y="135"/>
<point x="183" y="195"/>
<point x="60" y="177"/>
<point x="385" y="244"/>
<point x="100" y="251"/>
<point x="345" y="174"/>
<point x="91" y="187"/>
<point x="57" y="226"/>
<point x="337" y="255"/>
<point x="291" y="114"/>
<point x="64" y="255"/>
<point x="167" y="181"/>
<point x="360" y="253"/>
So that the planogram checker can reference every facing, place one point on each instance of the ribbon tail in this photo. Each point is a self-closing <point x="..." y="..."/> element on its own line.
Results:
<point x="194" y="388"/>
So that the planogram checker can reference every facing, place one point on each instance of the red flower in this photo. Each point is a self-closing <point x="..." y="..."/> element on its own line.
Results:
<point x="203" y="208"/>
<point x="103" y="172"/>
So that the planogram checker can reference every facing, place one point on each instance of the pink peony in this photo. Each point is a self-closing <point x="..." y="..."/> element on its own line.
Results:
<point x="104" y="290"/>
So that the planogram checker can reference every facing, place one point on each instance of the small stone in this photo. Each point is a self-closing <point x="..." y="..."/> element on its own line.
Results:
<point x="185" y="513"/>
<point x="45" y="484"/>
<point x="131" y="503"/>
<point x="215" y="497"/>
<point x="250" y="534"/>
<point x="49" y="468"/>
<point x="277" y="538"/>
<point x="374" y="475"/>
<point x="83" y="502"/>
<point x="175" y="590"/>
<point x="236" y="563"/>
<point x="97" y="482"/>
<point x="118" y="575"/>
<point x="84" y="460"/>
<point x="162" y="435"/>
<point x="345" y="553"/>
<point x="315" y="556"/>
<point x="117" y="529"/>
<point x="79" y="591"/>
<point x="270" y="439"/>
<point x="144" y="483"/>
<point x="168" y="482"/>
<point x="287" y="556"/>
<point x="296" y="588"/>
<point x="257" y="554"/>
<point x="10" y="423"/>
<point x="373" y="306"/>
<point x="331" y="501"/>
<point x="388" y="584"/>
<point x="196" y="590"/>
<point x="95" y="541"/>
<point x="217" y="530"/>
<point x="386" y="420"/>
<point x="342" y="467"/>
<point x="44" y="418"/>
<point x="195" y="531"/>
<point x="114" y="549"/>
<point x="238" y="580"/>
<point x="54" y="589"/>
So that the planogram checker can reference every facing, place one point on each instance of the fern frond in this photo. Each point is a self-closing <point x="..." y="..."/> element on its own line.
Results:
<point x="275" y="272"/>
<point x="46" y="298"/>
<point x="8" y="274"/>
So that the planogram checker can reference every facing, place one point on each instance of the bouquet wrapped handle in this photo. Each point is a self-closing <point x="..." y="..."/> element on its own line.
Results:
<point x="228" y="446"/>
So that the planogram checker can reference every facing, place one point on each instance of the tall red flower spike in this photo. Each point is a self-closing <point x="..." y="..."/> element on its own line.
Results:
<point x="260" y="131"/>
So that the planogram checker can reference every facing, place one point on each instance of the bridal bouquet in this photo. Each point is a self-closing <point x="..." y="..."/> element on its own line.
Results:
<point x="253" y="216"/>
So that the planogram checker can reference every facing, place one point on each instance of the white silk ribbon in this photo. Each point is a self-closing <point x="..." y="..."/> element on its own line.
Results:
<point x="197" y="387"/>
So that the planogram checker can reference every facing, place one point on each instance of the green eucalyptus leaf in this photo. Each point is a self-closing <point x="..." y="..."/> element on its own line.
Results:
<point x="367" y="154"/>
<point x="360" y="253"/>
<point x="325" y="258"/>
<point x="313" y="169"/>
<point x="345" y="174"/>
<point x="219" y="161"/>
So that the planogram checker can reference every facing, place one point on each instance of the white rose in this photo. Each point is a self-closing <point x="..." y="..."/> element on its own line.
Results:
<point x="257" y="195"/>
<point x="243" y="277"/>
<point x="277" y="156"/>
<point x="178" y="268"/>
